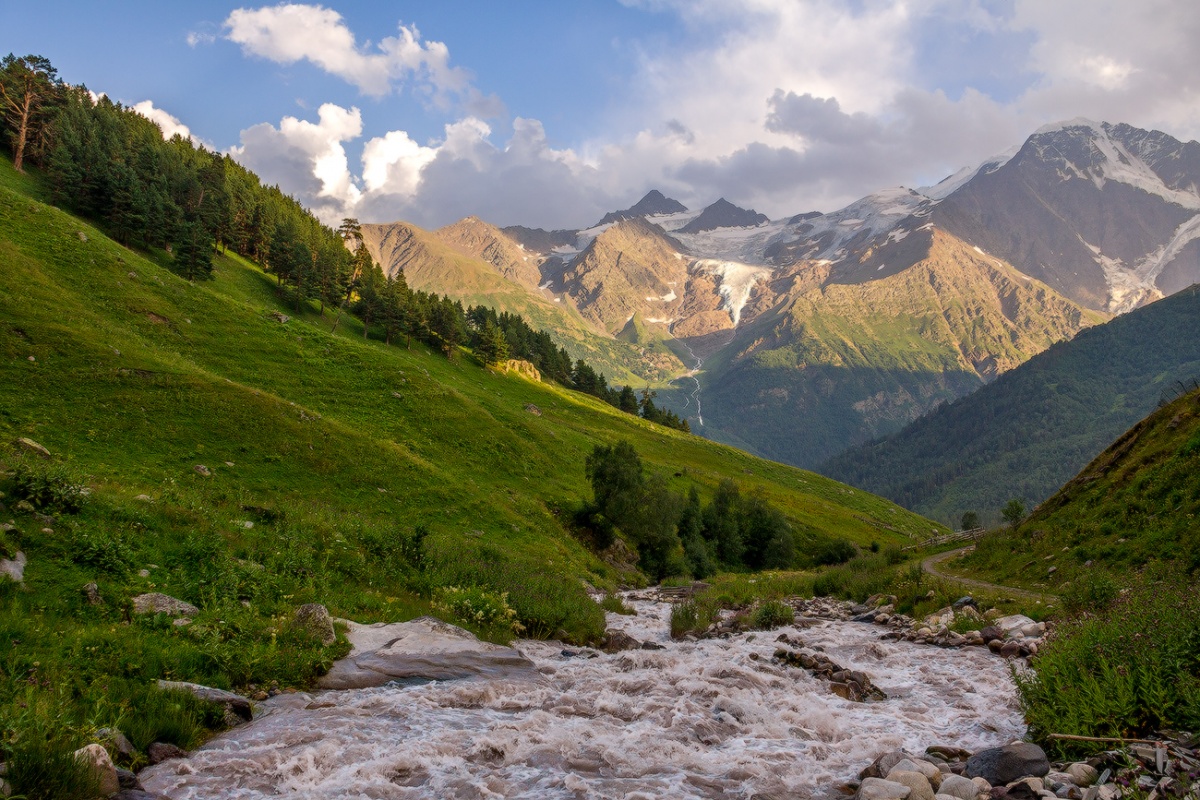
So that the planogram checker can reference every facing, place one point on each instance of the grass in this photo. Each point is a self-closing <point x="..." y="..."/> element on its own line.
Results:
<point x="1124" y="671"/>
<point x="339" y="471"/>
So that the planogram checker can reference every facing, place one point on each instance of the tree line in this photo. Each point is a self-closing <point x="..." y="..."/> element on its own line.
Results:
<point x="677" y="535"/>
<point x="112" y="165"/>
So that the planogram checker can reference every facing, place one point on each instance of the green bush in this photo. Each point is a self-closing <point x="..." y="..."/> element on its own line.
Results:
<point x="108" y="552"/>
<point x="38" y="748"/>
<point x="1126" y="672"/>
<point x="1093" y="589"/>
<point x="773" y="614"/>
<point x="476" y="606"/>
<point x="173" y="717"/>
<point x="835" y="551"/>
<point x="48" y="487"/>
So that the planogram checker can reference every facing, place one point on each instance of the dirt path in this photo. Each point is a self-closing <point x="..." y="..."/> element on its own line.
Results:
<point x="930" y="565"/>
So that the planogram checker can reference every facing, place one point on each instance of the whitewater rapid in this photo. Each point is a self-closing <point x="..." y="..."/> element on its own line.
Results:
<point x="707" y="719"/>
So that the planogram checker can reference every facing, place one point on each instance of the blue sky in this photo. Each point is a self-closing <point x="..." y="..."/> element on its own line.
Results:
<point x="550" y="113"/>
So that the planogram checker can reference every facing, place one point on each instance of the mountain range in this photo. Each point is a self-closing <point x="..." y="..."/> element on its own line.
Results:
<point x="812" y="334"/>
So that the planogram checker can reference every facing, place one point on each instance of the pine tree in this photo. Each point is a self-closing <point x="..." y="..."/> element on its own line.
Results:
<point x="28" y="86"/>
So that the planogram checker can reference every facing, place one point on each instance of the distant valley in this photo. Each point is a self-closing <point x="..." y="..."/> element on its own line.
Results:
<point x="816" y="333"/>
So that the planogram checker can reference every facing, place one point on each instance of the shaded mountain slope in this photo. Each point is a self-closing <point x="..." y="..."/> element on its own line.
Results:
<point x="1035" y="427"/>
<point x="841" y="359"/>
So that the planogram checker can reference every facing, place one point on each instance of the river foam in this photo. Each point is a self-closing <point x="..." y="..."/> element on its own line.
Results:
<point x="715" y="718"/>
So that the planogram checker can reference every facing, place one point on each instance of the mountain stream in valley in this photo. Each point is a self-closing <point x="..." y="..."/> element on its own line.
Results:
<point x="693" y="375"/>
<point x="704" y="719"/>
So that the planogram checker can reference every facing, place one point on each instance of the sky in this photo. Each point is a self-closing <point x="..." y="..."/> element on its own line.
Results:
<point x="549" y="114"/>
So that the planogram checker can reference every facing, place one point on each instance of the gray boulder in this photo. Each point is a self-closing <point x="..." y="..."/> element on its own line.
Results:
<point x="162" y="751"/>
<point x="314" y="619"/>
<point x="958" y="786"/>
<point x="423" y="649"/>
<point x="158" y="603"/>
<point x="879" y="789"/>
<point x="96" y="759"/>
<point x="14" y="568"/>
<point x="884" y="764"/>
<point x="233" y="703"/>
<point x="918" y="783"/>
<point x="1001" y="765"/>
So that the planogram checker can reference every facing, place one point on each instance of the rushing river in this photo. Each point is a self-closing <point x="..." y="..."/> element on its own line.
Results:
<point x="693" y="720"/>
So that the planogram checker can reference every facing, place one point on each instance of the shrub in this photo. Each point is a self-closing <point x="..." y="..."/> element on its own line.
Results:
<point x="476" y="606"/>
<point x="835" y="551"/>
<point x="39" y="750"/>
<point x="105" y="551"/>
<point x="174" y="717"/>
<point x="1092" y="590"/>
<point x="51" y="488"/>
<point x="1126" y="672"/>
<point x="773" y="614"/>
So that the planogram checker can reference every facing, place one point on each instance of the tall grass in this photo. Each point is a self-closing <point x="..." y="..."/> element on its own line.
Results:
<point x="1123" y="672"/>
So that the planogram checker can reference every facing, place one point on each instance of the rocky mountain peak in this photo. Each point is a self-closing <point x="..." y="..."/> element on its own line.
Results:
<point x="724" y="214"/>
<point x="655" y="202"/>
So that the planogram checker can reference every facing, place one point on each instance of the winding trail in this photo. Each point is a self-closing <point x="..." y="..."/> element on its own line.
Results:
<point x="929" y="565"/>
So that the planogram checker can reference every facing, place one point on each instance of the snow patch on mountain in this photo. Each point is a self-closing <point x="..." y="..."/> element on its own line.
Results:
<point x="736" y="282"/>
<point x="947" y="186"/>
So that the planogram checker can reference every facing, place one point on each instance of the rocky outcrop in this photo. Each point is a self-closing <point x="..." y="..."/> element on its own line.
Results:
<point x="158" y="603"/>
<point x="314" y="620"/>
<point x="423" y="649"/>
<point x="235" y="705"/>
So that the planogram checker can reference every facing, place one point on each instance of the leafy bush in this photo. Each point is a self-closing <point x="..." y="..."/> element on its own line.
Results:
<point x="476" y="606"/>
<point x="835" y="551"/>
<point x="174" y="717"/>
<point x="1126" y="672"/>
<point x="51" y="488"/>
<point x="105" y="551"/>
<point x="1092" y="590"/>
<point x="773" y="614"/>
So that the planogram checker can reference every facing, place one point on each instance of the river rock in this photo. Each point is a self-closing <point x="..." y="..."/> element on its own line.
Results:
<point x="314" y="619"/>
<point x="1082" y="774"/>
<point x="958" y="786"/>
<point x="879" y="789"/>
<point x="162" y="751"/>
<point x="96" y="759"/>
<point x="1001" y="765"/>
<point x="991" y="633"/>
<point x="884" y="764"/>
<point x="137" y="794"/>
<point x="425" y="648"/>
<point x="233" y="703"/>
<point x="616" y="641"/>
<point x="930" y="771"/>
<point x="14" y="568"/>
<point x="116" y="741"/>
<point x="158" y="603"/>
<point x="918" y="783"/>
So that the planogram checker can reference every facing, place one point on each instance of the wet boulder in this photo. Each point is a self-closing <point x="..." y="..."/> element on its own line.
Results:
<point x="422" y="649"/>
<point x="1001" y="765"/>
<point x="880" y="789"/>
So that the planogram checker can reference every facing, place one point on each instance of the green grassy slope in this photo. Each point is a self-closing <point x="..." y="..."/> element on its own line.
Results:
<point x="1033" y="428"/>
<point x="135" y="376"/>
<point x="326" y="453"/>
<point x="1137" y="502"/>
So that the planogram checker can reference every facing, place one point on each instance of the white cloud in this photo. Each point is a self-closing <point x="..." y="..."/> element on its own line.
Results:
<point x="196" y="38"/>
<point x="784" y="105"/>
<point x="168" y="123"/>
<point x="307" y="159"/>
<point x="292" y="32"/>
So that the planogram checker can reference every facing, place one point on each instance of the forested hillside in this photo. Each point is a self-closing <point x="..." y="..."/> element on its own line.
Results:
<point x="1034" y="428"/>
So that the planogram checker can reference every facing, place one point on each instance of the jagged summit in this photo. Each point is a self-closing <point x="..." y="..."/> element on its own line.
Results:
<point x="655" y="202"/>
<point x="724" y="214"/>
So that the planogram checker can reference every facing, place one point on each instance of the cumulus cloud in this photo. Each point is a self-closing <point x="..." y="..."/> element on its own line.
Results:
<point x="293" y="32"/>
<point x="784" y="105"/>
<point x="167" y="122"/>
<point x="307" y="159"/>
